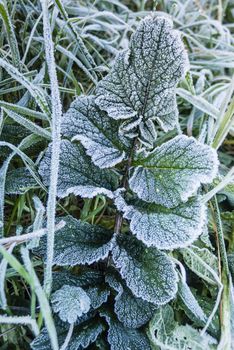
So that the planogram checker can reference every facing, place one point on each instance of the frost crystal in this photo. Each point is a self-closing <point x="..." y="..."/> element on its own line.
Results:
<point x="70" y="302"/>
<point x="143" y="79"/>
<point x="174" y="171"/>
<point x="98" y="133"/>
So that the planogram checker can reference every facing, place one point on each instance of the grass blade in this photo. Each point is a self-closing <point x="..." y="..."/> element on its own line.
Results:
<point x="10" y="35"/>
<point x="56" y="137"/>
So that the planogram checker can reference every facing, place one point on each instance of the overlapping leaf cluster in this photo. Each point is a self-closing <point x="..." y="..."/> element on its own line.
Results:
<point x="108" y="148"/>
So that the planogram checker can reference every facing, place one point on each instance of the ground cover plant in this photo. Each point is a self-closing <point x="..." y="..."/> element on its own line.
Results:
<point x="116" y="177"/>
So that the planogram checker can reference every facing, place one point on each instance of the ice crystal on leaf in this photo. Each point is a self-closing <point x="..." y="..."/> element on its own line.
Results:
<point x="142" y="81"/>
<point x="148" y="272"/>
<point x="173" y="171"/>
<point x="77" y="174"/>
<point x="98" y="133"/>
<point x="161" y="227"/>
<point x="70" y="302"/>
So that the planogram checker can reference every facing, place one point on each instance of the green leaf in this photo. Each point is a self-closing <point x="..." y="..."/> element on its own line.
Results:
<point x="92" y="281"/>
<point x="79" y="243"/>
<point x="70" y="302"/>
<point x="19" y="181"/>
<point x="122" y="338"/>
<point x="85" y="278"/>
<point x="174" y="171"/>
<point x="83" y="335"/>
<point x="98" y="133"/>
<point x="148" y="272"/>
<point x="202" y="262"/>
<point x="77" y="174"/>
<point x="161" y="227"/>
<point x="133" y="312"/>
<point x="190" y="303"/>
<point x="141" y="84"/>
<point x="98" y="295"/>
<point x="168" y="335"/>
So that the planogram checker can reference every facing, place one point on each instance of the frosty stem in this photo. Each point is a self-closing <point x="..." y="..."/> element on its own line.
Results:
<point x="124" y="184"/>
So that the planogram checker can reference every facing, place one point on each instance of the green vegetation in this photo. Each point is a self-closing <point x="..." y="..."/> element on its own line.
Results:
<point x="116" y="218"/>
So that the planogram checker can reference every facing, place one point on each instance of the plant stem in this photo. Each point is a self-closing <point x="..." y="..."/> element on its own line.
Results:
<point x="124" y="184"/>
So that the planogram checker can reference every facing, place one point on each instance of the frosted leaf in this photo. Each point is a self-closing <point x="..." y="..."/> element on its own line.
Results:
<point x="82" y="336"/>
<point x="85" y="278"/>
<point x="167" y="334"/>
<point x="161" y="227"/>
<point x="77" y="174"/>
<point x="143" y="79"/>
<point x="90" y="280"/>
<point x="202" y="262"/>
<point x="174" y="171"/>
<point x="70" y="302"/>
<point x="190" y="303"/>
<point x="79" y="243"/>
<point x="148" y="272"/>
<point x="98" y="295"/>
<point x="148" y="133"/>
<point x="98" y="133"/>
<point x="123" y="338"/>
<point x="113" y="278"/>
<point x="133" y="312"/>
<point x="19" y="181"/>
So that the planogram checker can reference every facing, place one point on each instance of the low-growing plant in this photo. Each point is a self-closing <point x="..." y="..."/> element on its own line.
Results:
<point x="108" y="148"/>
<point x="121" y="283"/>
